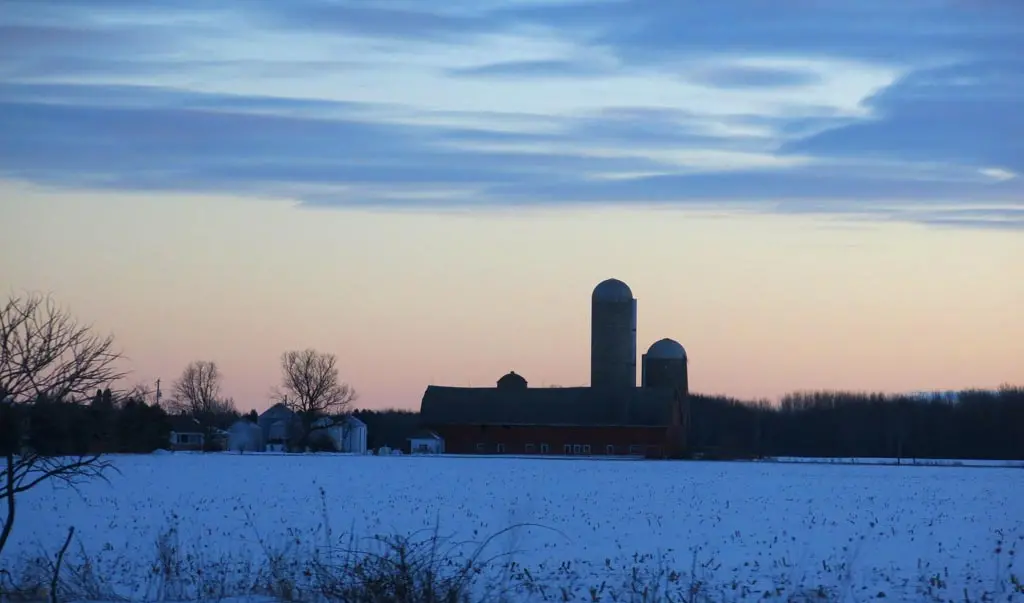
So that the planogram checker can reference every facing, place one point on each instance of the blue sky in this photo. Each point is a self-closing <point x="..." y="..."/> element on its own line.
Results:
<point x="907" y="110"/>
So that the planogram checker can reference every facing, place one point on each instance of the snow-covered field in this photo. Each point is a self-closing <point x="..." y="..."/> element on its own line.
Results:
<point x="895" y="461"/>
<point x="742" y="529"/>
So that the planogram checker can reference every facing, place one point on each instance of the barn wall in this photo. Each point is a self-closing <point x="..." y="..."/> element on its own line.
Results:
<point x="464" y="439"/>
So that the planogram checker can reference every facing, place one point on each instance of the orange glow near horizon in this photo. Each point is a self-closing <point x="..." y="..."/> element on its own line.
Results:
<point x="764" y="304"/>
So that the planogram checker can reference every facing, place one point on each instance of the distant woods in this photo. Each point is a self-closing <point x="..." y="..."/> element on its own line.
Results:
<point x="980" y="425"/>
<point x="972" y="425"/>
<point x="390" y="428"/>
<point x="106" y="423"/>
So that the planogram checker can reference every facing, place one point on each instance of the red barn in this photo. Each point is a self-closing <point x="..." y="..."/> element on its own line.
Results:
<point x="514" y="419"/>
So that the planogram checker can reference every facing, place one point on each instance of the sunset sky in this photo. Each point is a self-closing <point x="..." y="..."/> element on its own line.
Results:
<point x="806" y="194"/>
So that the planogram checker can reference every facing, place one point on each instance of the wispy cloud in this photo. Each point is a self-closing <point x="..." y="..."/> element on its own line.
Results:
<point x="520" y="69"/>
<point x="755" y="77"/>
<point x="838" y="108"/>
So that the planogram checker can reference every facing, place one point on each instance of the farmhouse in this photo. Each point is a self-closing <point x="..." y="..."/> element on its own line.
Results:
<point x="186" y="433"/>
<point x="611" y="417"/>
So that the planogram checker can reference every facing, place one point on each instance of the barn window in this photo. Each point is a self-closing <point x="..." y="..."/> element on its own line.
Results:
<point x="609" y="449"/>
<point x="480" y="448"/>
<point x="544" y="448"/>
<point x="567" y="449"/>
<point x="586" y="449"/>
<point x="501" y="448"/>
<point x="634" y="449"/>
<point x="529" y="449"/>
<point x="576" y="449"/>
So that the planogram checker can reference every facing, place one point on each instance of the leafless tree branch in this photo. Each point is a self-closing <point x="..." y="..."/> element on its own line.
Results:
<point x="45" y="354"/>
<point x="197" y="391"/>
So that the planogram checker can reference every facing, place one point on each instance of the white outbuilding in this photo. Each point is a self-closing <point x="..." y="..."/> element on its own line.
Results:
<point x="346" y="435"/>
<point x="426" y="442"/>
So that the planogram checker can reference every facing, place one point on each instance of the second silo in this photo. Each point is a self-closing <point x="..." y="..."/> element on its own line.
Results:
<point x="664" y="365"/>
<point x="612" y="336"/>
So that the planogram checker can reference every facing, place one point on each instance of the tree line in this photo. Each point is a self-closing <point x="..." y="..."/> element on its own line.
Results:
<point x="970" y="424"/>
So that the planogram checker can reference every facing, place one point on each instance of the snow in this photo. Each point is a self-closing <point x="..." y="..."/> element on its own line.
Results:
<point x="859" y="528"/>
<point x="895" y="461"/>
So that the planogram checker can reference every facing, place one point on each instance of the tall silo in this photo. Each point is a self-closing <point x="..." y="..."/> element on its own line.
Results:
<point x="664" y="365"/>
<point x="612" y="336"/>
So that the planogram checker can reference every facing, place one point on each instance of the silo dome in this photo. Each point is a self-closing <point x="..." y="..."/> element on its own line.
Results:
<point x="612" y="290"/>
<point x="512" y="381"/>
<point x="666" y="349"/>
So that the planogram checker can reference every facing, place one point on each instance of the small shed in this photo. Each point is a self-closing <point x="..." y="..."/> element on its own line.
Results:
<point x="426" y="442"/>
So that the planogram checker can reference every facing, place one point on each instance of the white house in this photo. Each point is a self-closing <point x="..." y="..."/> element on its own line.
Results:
<point x="426" y="442"/>
<point x="186" y="433"/>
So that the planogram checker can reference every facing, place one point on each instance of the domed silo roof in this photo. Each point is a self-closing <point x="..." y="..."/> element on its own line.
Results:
<point x="666" y="349"/>
<point x="512" y="381"/>
<point x="612" y="290"/>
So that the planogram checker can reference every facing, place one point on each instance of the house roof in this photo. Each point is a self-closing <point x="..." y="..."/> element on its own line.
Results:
<point x="184" y="424"/>
<point x="349" y="420"/>
<point x="425" y="434"/>
<point x="546" y="406"/>
<point x="277" y="410"/>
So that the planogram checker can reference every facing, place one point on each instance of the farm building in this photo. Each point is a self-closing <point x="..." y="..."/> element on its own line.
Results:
<point x="347" y="435"/>
<point x="279" y="425"/>
<point x="426" y="442"/>
<point x="186" y="433"/>
<point x="611" y="417"/>
<point x="570" y="420"/>
<point x="278" y="428"/>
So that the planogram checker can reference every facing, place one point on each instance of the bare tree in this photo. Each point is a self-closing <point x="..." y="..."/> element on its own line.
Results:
<point x="45" y="354"/>
<point x="140" y="392"/>
<point x="197" y="391"/>
<point x="313" y="390"/>
<point x="197" y="394"/>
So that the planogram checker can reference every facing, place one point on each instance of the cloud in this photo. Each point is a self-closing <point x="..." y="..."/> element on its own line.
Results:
<point x="965" y="113"/>
<point x="821" y="106"/>
<point x="755" y="77"/>
<point x="328" y="154"/>
<point x="878" y="30"/>
<point x="519" y="69"/>
<point x="394" y="20"/>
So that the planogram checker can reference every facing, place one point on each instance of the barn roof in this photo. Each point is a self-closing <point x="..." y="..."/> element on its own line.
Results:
<point x="546" y="406"/>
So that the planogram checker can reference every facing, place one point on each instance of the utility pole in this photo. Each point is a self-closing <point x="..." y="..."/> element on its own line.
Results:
<point x="158" y="393"/>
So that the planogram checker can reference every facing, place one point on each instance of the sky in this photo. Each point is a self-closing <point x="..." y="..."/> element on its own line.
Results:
<point x="805" y="194"/>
